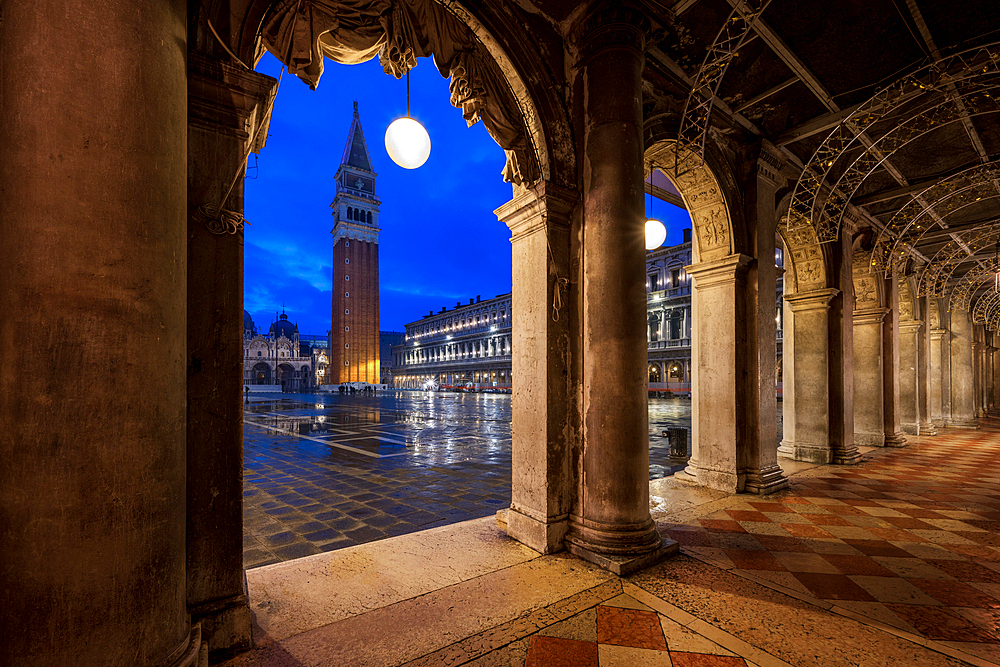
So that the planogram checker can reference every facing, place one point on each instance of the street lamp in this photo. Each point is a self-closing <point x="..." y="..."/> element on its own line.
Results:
<point x="406" y="140"/>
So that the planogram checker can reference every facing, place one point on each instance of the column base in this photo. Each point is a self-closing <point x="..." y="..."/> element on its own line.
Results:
<point x="225" y="625"/>
<point x="869" y="439"/>
<point x="928" y="428"/>
<point x="544" y="535"/>
<point x="894" y="440"/>
<point x="625" y="565"/>
<point x="908" y="428"/>
<point x="192" y="652"/>
<point x="621" y="549"/>
<point x="846" y="456"/>
<point x="962" y="423"/>
<point x="809" y="452"/>
<point x="729" y="482"/>
<point x="768" y="480"/>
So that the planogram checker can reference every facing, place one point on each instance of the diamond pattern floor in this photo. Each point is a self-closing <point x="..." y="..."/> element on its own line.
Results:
<point x="909" y="538"/>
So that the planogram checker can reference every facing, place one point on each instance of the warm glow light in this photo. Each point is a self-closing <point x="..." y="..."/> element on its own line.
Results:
<point x="656" y="234"/>
<point x="407" y="143"/>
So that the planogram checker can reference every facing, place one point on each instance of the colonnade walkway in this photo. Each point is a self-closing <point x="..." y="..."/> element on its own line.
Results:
<point x="892" y="561"/>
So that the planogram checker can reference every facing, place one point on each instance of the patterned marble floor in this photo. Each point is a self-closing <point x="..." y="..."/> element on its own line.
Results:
<point x="909" y="539"/>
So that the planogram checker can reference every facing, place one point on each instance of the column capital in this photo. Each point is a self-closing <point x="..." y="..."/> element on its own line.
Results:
<point x="870" y="315"/>
<point x="910" y="326"/>
<point x="817" y="299"/>
<point x="770" y="163"/>
<point x="938" y="334"/>
<point x="532" y="208"/>
<point x="609" y="26"/>
<point x="717" y="270"/>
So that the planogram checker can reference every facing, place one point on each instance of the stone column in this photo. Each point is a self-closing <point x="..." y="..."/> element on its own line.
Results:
<point x="923" y="376"/>
<point x="869" y="424"/>
<point x="807" y="416"/>
<point x="840" y="372"/>
<point x="937" y="339"/>
<point x="890" y="366"/>
<point x="717" y="437"/>
<point x="225" y="107"/>
<point x="610" y="523"/>
<point x="93" y="166"/>
<point x="543" y="409"/>
<point x="977" y="370"/>
<point x="757" y="459"/>
<point x="963" y="413"/>
<point x="909" y="331"/>
<point x="995" y="377"/>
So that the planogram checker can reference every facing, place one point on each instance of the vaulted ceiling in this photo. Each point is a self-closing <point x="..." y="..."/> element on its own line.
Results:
<point x="886" y="108"/>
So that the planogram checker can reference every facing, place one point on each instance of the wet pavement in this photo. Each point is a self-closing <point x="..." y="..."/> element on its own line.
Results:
<point x="327" y="471"/>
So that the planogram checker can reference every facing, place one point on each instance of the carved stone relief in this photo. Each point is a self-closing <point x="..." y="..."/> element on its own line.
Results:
<point x="712" y="226"/>
<point x="807" y="268"/>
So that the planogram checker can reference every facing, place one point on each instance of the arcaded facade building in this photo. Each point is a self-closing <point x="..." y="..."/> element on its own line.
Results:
<point x="861" y="138"/>
<point x="354" y="334"/>
<point x="467" y="346"/>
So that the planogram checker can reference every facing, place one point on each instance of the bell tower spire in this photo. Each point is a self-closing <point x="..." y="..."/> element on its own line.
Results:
<point x="354" y="336"/>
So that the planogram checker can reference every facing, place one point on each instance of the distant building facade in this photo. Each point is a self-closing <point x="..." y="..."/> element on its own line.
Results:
<point x="467" y="346"/>
<point x="470" y="345"/>
<point x="354" y="334"/>
<point x="276" y="358"/>
<point x="387" y="340"/>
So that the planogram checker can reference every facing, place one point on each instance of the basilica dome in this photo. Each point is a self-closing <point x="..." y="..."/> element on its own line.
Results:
<point x="283" y="328"/>
<point x="247" y="322"/>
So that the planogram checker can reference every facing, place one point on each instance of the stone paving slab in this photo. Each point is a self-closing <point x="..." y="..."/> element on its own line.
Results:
<point x="326" y="471"/>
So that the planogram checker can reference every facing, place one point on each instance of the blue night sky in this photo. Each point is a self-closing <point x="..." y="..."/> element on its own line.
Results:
<point x="440" y="241"/>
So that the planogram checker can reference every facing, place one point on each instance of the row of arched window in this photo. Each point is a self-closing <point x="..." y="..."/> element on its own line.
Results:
<point x="359" y="215"/>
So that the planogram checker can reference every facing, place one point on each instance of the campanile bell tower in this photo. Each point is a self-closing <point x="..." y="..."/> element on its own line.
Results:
<point x="354" y="340"/>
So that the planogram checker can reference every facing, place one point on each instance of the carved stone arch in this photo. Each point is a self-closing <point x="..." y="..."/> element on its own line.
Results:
<point x="805" y="259"/>
<point x="533" y="87"/>
<point x="704" y="197"/>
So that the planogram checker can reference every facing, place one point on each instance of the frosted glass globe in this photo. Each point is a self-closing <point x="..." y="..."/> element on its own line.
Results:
<point x="656" y="234"/>
<point x="407" y="143"/>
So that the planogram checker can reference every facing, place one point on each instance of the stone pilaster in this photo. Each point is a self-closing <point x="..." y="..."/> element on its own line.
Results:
<point x="869" y="425"/>
<point x="808" y="438"/>
<point x="544" y="409"/>
<point x="961" y="384"/>
<point x="936" y="381"/>
<point x="840" y="370"/>
<point x="226" y="107"/>
<point x="909" y="332"/>
<point x="610" y="522"/>
<point x="925" y="425"/>
<point x="890" y="366"/>
<point x="93" y="334"/>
